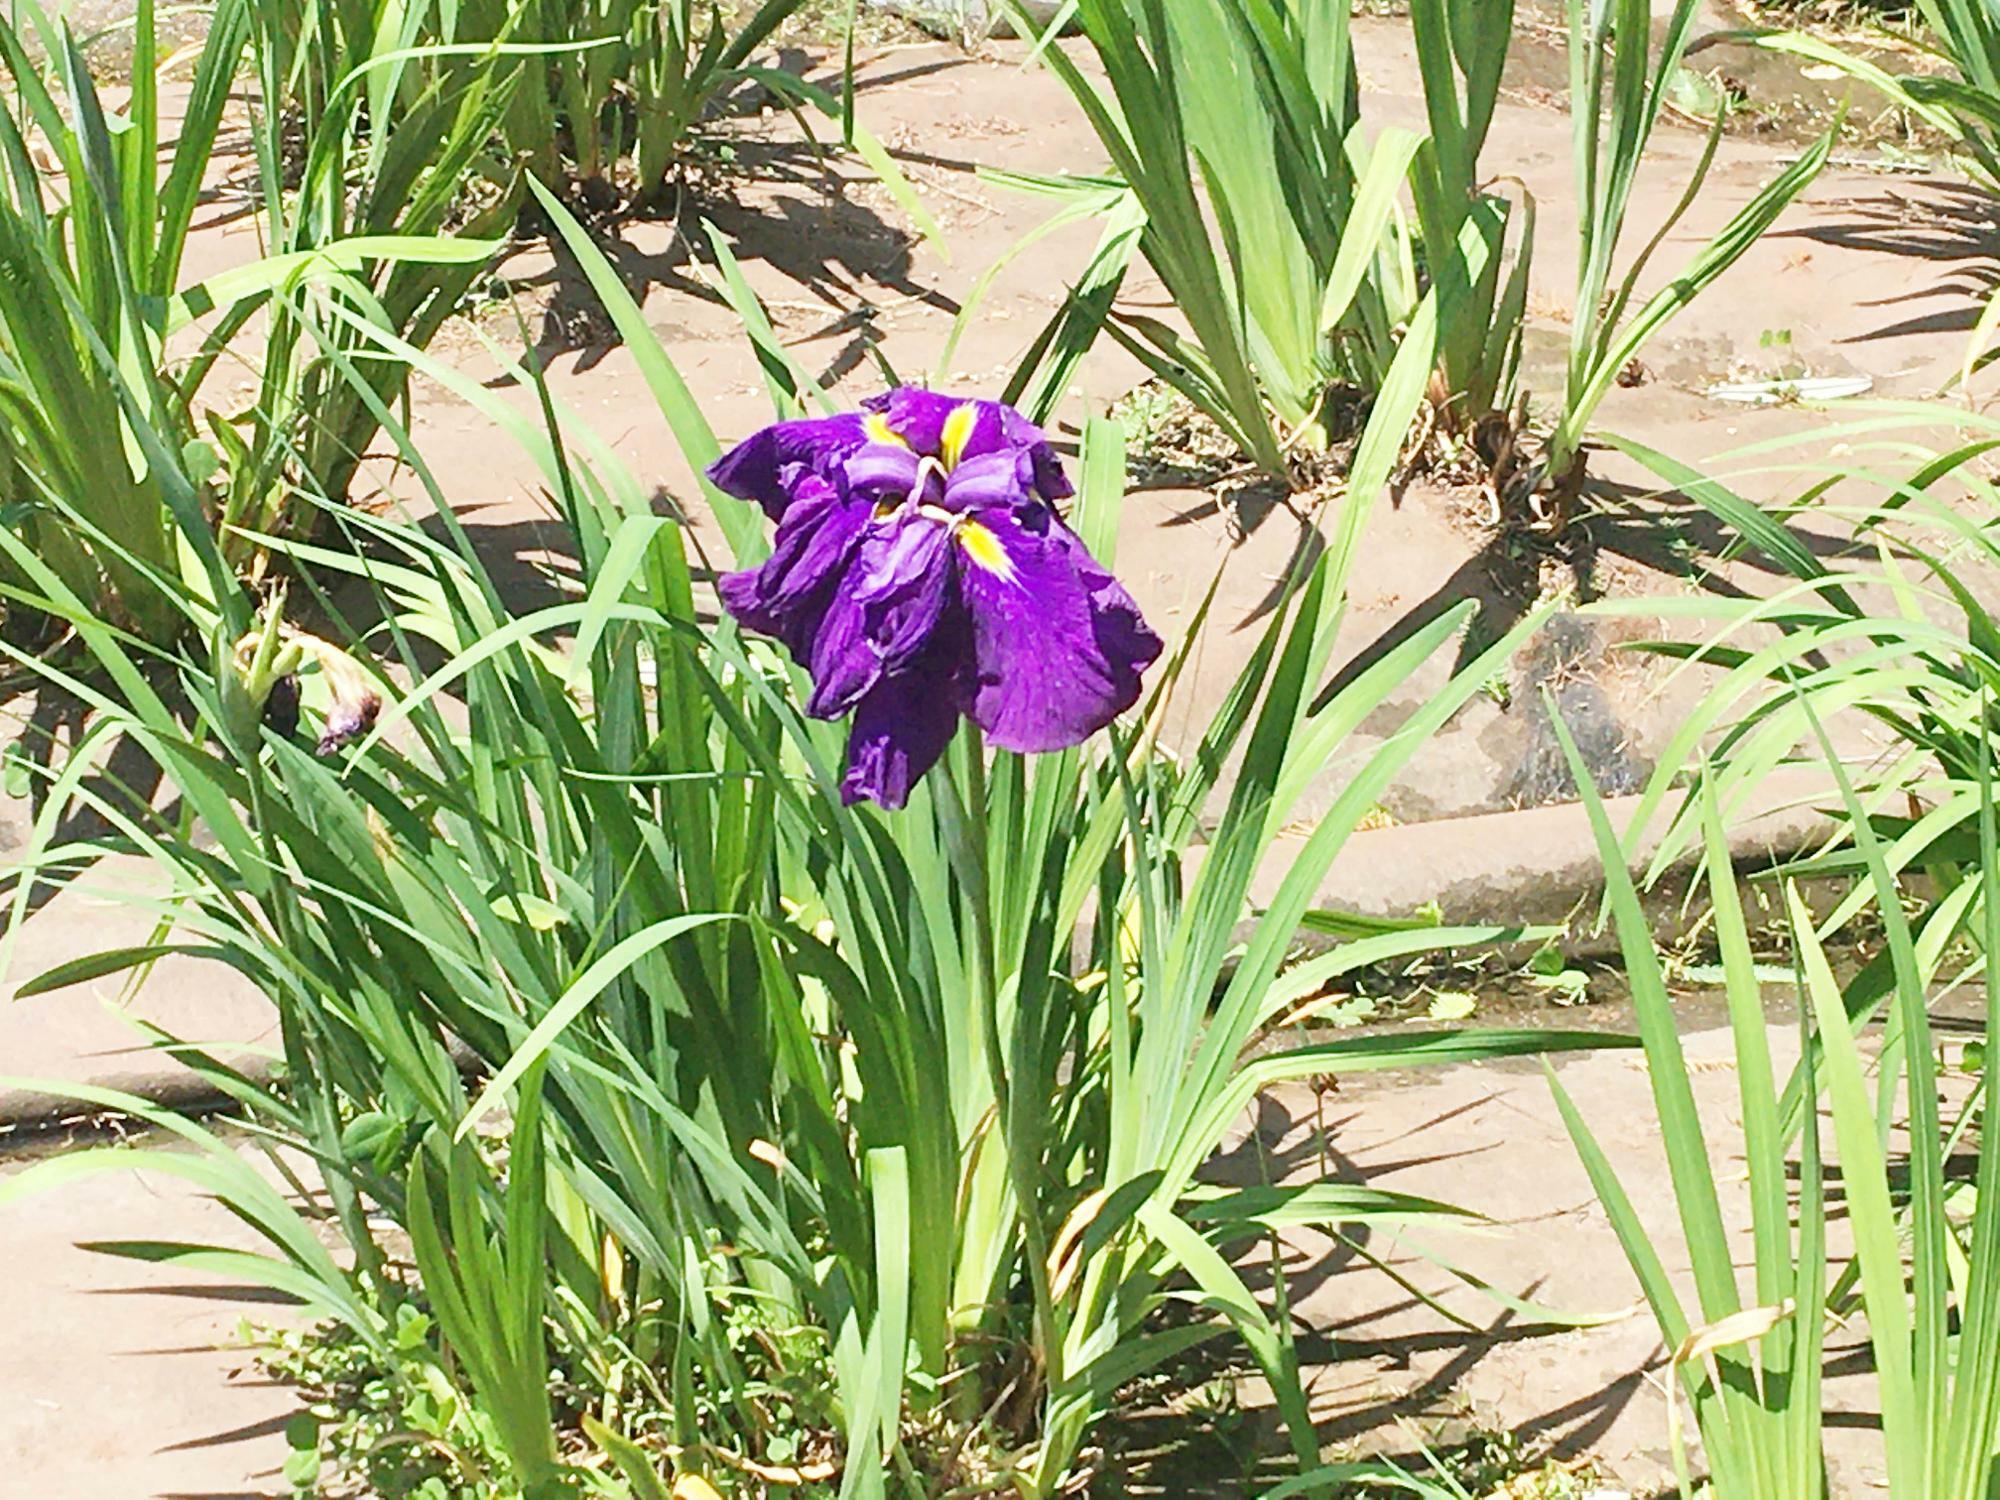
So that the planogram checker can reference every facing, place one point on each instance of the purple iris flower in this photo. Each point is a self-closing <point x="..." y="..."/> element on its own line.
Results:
<point x="920" y="573"/>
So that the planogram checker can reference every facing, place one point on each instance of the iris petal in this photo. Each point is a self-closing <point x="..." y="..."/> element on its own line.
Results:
<point x="895" y="595"/>
<point x="1041" y="465"/>
<point x="765" y="466"/>
<point x="907" y="586"/>
<point x="844" y="665"/>
<point x="905" y="723"/>
<point x="1057" y="643"/>
<point x="990" y="479"/>
<point x="884" y="473"/>
<point x="959" y="430"/>
<point x="788" y="596"/>
<point x="919" y="416"/>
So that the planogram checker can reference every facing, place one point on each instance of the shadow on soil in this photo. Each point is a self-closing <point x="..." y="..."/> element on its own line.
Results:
<point x="1953" y="224"/>
<point x="784" y="205"/>
<point x="1211" y="1442"/>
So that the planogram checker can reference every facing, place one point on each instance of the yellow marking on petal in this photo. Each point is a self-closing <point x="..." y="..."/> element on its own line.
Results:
<point x="984" y="548"/>
<point x="877" y="427"/>
<point x="956" y="434"/>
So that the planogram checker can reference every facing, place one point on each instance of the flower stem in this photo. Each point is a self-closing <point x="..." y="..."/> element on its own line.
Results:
<point x="965" y="838"/>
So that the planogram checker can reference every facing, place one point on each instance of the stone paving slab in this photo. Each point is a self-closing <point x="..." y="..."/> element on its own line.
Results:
<point x="84" y="1032"/>
<point x="119" y="1384"/>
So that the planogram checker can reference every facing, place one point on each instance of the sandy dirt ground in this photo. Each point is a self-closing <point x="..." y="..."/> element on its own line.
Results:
<point x="1872" y="273"/>
<point x="125" y="1380"/>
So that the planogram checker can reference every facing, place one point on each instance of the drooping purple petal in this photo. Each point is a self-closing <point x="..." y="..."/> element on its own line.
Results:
<point x="1127" y="643"/>
<point x="765" y="467"/>
<point x="906" y="722"/>
<point x="1057" y="643"/>
<point x="844" y="663"/>
<point x="788" y="596"/>
<point x="906" y="585"/>
<point x="895" y="594"/>
<point x="346" y="719"/>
